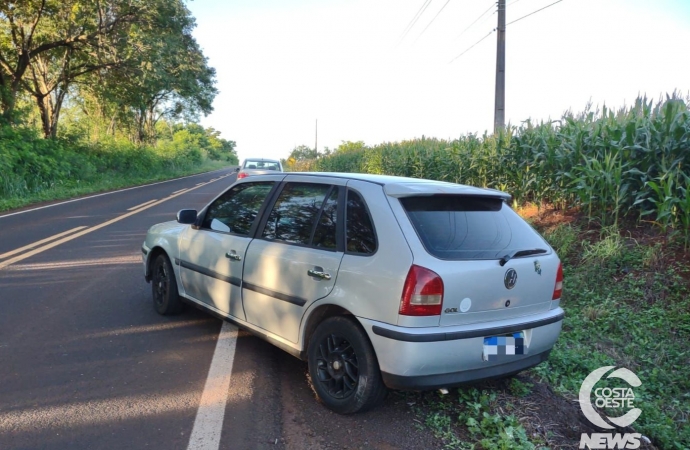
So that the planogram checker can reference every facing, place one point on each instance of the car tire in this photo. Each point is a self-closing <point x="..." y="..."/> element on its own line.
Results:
<point x="166" y="299"/>
<point x="343" y="367"/>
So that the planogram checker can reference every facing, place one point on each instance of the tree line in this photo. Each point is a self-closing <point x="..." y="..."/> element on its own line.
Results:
<point x="123" y="66"/>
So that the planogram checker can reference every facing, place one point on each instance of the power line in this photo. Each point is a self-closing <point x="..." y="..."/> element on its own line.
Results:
<point x="533" y="12"/>
<point x="416" y="17"/>
<point x="476" y="20"/>
<point x="472" y="46"/>
<point x="432" y="20"/>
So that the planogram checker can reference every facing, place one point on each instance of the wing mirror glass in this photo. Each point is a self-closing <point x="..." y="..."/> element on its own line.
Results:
<point x="186" y="216"/>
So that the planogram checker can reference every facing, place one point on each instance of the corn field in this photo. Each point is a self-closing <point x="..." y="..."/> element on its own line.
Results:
<point x="631" y="162"/>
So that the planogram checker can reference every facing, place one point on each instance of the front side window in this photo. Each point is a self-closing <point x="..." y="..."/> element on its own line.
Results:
<point x="295" y="213"/>
<point x="235" y="211"/>
<point x="361" y="237"/>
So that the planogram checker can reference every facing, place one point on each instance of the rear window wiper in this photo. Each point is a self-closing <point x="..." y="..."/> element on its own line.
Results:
<point x="516" y="253"/>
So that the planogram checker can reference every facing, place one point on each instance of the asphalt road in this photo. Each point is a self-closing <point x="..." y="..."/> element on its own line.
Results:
<point x="86" y="363"/>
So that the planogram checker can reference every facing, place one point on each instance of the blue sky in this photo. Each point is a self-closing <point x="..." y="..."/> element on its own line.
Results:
<point x="283" y="64"/>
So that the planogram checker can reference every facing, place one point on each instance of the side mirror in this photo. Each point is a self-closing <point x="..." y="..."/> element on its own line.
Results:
<point x="186" y="216"/>
<point x="237" y="169"/>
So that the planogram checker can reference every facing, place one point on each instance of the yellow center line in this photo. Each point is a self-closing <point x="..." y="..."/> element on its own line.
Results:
<point x="181" y="190"/>
<point x="143" y="204"/>
<point x="89" y="230"/>
<point x="42" y="241"/>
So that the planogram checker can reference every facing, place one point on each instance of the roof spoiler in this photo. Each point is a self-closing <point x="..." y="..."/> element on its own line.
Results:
<point x="400" y="190"/>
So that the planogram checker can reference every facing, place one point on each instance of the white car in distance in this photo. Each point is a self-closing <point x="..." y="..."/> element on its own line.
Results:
<point x="258" y="166"/>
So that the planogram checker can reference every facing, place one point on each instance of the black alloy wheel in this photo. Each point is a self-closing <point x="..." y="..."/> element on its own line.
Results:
<point x="166" y="300"/>
<point x="336" y="365"/>
<point x="343" y="367"/>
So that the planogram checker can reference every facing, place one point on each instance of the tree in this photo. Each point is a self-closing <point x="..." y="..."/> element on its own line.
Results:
<point x="349" y="146"/>
<point x="52" y="42"/>
<point x="167" y="76"/>
<point x="139" y="54"/>
<point x="302" y="152"/>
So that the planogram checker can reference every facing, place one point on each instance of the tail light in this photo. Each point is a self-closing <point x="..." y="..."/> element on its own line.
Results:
<point x="558" y="288"/>
<point x="422" y="294"/>
<point x="241" y="175"/>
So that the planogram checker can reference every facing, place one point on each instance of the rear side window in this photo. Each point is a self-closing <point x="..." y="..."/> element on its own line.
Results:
<point x="295" y="212"/>
<point x="325" y="232"/>
<point x="236" y="210"/>
<point x="461" y="228"/>
<point x="361" y="237"/>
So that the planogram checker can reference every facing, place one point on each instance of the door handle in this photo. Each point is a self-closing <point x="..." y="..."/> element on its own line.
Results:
<point x="319" y="274"/>
<point x="234" y="256"/>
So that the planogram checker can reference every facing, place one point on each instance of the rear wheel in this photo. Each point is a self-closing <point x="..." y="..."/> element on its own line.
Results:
<point x="166" y="300"/>
<point x="343" y="367"/>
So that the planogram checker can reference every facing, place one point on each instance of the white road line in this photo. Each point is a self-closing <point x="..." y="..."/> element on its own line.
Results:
<point x="208" y="424"/>
<point x="105" y="193"/>
<point x="139" y="206"/>
<point x="81" y="233"/>
<point x="43" y="241"/>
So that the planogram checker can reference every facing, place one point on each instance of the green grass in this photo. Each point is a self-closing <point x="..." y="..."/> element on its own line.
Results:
<point x="101" y="183"/>
<point x="478" y="418"/>
<point x="627" y="305"/>
<point x="33" y="169"/>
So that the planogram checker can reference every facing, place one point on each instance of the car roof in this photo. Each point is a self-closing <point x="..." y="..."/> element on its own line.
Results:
<point x="395" y="186"/>
<point x="262" y="160"/>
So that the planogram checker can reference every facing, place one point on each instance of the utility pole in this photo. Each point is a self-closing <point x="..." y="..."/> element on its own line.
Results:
<point x="316" y="138"/>
<point x="500" y="109"/>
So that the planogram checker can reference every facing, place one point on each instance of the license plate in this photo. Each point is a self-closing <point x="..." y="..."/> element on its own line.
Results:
<point x="504" y="347"/>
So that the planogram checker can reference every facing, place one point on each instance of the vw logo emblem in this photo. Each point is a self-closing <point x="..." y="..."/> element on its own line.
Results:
<point x="510" y="278"/>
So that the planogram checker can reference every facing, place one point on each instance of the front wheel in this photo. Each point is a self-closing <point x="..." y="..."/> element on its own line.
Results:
<point x="343" y="367"/>
<point x="166" y="299"/>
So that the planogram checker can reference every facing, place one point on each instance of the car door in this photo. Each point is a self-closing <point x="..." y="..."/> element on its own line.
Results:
<point x="212" y="254"/>
<point x="295" y="257"/>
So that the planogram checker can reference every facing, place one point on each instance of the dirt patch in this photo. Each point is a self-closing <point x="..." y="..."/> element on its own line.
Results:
<point x="547" y="216"/>
<point x="547" y="416"/>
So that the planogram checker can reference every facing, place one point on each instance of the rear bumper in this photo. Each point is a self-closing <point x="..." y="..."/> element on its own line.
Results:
<point x="445" y="380"/>
<point x="434" y="357"/>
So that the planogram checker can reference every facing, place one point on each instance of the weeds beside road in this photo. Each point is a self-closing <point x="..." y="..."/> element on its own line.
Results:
<point x="33" y="169"/>
<point x="103" y="184"/>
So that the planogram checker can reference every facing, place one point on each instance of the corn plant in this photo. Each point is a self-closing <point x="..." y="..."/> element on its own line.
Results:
<point x="632" y="160"/>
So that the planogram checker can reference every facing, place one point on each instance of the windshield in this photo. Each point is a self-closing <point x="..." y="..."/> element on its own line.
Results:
<point x="261" y="165"/>
<point x="460" y="227"/>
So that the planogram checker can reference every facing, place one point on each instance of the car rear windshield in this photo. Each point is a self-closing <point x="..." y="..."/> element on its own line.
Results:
<point x="461" y="227"/>
<point x="262" y="165"/>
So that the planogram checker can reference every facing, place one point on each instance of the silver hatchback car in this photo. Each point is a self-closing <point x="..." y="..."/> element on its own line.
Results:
<point x="375" y="281"/>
